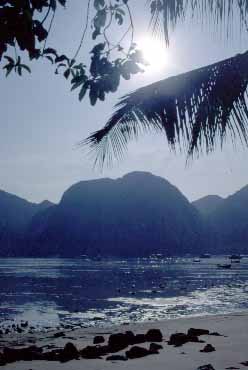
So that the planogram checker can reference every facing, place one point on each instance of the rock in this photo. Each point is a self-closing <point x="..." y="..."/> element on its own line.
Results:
<point x="2" y="360"/>
<point x="206" y="367"/>
<point x="120" y="341"/>
<point x="197" y="332"/>
<point x="19" y="330"/>
<point x="116" y="358"/>
<point x="98" y="339"/>
<point x="194" y="339"/>
<point x="178" y="339"/>
<point x="92" y="352"/>
<point x="216" y="334"/>
<point x="245" y="363"/>
<point x="208" y="348"/>
<point x="154" y="347"/>
<point x="137" y="352"/>
<point x="154" y="335"/>
<point x="69" y="353"/>
<point x="138" y="338"/>
<point x="53" y="355"/>
<point x="23" y="354"/>
<point x="24" y="324"/>
<point x="59" y="334"/>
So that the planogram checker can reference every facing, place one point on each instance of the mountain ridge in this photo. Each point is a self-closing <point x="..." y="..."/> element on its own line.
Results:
<point x="134" y="215"/>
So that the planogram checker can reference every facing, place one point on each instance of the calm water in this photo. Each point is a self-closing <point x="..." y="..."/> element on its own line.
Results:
<point x="51" y="293"/>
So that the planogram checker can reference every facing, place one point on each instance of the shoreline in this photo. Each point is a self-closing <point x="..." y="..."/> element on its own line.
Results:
<point x="231" y="346"/>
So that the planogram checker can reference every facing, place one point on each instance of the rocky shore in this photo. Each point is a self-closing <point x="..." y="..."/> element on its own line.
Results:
<point x="204" y="343"/>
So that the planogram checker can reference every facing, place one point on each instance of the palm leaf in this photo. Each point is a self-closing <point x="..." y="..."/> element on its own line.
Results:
<point x="165" y="14"/>
<point x="196" y="110"/>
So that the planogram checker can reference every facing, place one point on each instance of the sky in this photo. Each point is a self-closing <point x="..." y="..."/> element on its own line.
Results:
<point x="42" y="121"/>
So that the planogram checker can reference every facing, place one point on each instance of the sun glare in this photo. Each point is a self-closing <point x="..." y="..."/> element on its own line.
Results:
<point x="155" y="53"/>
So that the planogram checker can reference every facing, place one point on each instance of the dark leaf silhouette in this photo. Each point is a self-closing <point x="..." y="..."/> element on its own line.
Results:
<point x="195" y="110"/>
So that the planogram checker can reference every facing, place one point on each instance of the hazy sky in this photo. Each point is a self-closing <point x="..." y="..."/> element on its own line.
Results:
<point x="42" y="121"/>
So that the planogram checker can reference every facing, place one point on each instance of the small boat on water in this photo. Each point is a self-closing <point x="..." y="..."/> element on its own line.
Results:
<point x="196" y="260"/>
<point x="235" y="257"/>
<point x="224" y="265"/>
<point x="205" y="255"/>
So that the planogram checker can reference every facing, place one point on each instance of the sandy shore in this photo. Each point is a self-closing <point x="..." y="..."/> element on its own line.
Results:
<point x="231" y="348"/>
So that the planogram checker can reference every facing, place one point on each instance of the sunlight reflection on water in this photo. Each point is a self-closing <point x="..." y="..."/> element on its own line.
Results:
<point x="77" y="292"/>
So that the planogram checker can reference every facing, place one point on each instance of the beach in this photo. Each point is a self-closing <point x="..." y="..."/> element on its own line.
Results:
<point x="230" y="347"/>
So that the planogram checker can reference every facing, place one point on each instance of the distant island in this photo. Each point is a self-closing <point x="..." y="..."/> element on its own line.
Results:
<point x="133" y="216"/>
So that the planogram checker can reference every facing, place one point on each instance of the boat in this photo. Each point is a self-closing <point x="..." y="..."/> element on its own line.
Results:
<point x="224" y="265"/>
<point x="196" y="260"/>
<point x="205" y="255"/>
<point x="156" y="256"/>
<point x="236" y="257"/>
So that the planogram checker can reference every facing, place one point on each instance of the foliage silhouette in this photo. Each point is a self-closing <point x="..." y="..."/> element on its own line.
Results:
<point x="22" y="28"/>
<point x="196" y="110"/>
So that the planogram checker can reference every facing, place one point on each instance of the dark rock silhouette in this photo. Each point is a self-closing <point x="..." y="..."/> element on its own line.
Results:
<point x="120" y="341"/>
<point x="154" y="335"/>
<point x="98" y="339"/>
<point x="206" y="367"/>
<point x="154" y="347"/>
<point x="137" y="352"/>
<point x="116" y="358"/>
<point x="208" y="348"/>
<point x="94" y="352"/>
<point x="197" y="332"/>
<point x="178" y="339"/>
<point x="69" y="353"/>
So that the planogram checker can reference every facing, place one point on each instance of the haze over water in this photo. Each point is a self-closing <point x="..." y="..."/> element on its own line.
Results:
<point x="52" y="293"/>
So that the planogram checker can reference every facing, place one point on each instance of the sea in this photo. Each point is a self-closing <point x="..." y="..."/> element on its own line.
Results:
<point x="55" y="293"/>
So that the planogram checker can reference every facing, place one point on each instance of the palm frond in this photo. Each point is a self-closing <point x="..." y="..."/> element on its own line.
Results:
<point x="165" y="14"/>
<point x="196" y="110"/>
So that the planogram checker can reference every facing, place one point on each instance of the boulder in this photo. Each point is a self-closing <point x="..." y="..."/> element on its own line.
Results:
<point x="178" y="339"/>
<point x="120" y="341"/>
<point x="130" y="337"/>
<point x="98" y="339"/>
<point x="138" y="338"/>
<point x="59" y="334"/>
<point x="194" y="339"/>
<point x="54" y="355"/>
<point x="154" y="335"/>
<point x="206" y="367"/>
<point x="22" y="354"/>
<point x="69" y="353"/>
<point x="92" y="352"/>
<point x="208" y="348"/>
<point x="216" y="334"/>
<point x="137" y="352"/>
<point x="24" y="324"/>
<point x="154" y="347"/>
<point x="116" y="358"/>
<point x="2" y="360"/>
<point x="197" y="332"/>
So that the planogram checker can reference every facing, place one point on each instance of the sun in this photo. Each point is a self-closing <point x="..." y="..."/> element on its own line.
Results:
<point x="155" y="53"/>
